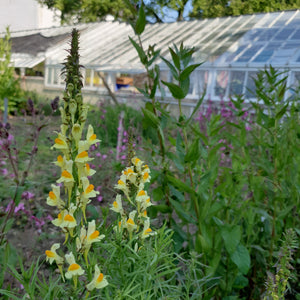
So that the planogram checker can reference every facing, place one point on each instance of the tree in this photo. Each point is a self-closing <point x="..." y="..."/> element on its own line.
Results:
<point x="97" y="10"/>
<point x="221" y="8"/>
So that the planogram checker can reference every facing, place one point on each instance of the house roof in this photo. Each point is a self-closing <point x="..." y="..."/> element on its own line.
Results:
<point x="243" y="41"/>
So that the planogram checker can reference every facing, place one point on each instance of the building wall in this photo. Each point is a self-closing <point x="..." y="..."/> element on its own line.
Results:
<point x="25" y="14"/>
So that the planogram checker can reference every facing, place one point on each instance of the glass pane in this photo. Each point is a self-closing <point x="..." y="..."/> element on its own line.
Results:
<point x="250" y="86"/>
<point x="97" y="79"/>
<point x="283" y="34"/>
<point x="296" y="35"/>
<point x="236" y="83"/>
<point x="56" y="77"/>
<point x="49" y="80"/>
<point x="264" y="56"/>
<point x="267" y="34"/>
<point x="87" y="76"/>
<point x="221" y="83"/>
<point x="248" y="54"/>
<point x="201" y="80"/>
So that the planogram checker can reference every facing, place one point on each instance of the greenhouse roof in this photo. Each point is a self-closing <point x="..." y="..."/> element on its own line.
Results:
<point x="244" y="41"/>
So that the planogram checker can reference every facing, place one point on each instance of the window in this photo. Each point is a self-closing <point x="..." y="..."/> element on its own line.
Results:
<point x="236" y="83"/>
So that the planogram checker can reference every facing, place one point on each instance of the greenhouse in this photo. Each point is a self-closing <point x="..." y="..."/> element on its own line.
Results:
<point x="231" y="49"/>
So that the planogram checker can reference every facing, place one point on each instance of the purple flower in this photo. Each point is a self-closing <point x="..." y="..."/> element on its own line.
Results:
<point x="248" y="128"/>
<point x="27" y="195"/>
<point x="99" y="198"/>
<point x="100" y="166"/>
<point x="4" y="172"/>
<point x="125" y="133"/>
<point x="123" y="157"/>
<point x="98" y="154"/>
<point x="123" y="148"/>
<point x="98" y="188"/>
<point x="92" y="148"/>
<point x="124" y="141"/>
<point x="104" y="156"/>
<point x="20" y="207"/>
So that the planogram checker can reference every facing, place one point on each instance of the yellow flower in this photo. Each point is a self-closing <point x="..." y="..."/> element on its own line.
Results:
<point x="122" y="184"/>
<point x="88" y="171"/>
<point x="137" y="163"/>
<point x="83" y="155"/>
<point x="76" y="132"/>
<point x="130" y="175"/>
<point x="117" y="205"/>
<point x="60" y="162"/>
<point x="93" y="234"/>
<point x="74" y="269"/>
<point x="147" y="230"/>
<point x="141" y="195"/>
<point x="88" y="189"/>
<point x="52" y="256"/>
<point x="91" y="137"/>
<point x="99" y="281"/>
<point x="145" y="177"/>
<point x="60" y="142"/>
<point x="59" y="220"/>
<point x="66" y="174"/>
<point x="68" y="218"/>
<point x="130" y="224"/>
<point x="54" y="197"/>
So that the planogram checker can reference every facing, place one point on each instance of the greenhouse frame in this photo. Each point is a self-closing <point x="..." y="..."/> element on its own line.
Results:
<point x="231" y="49"/>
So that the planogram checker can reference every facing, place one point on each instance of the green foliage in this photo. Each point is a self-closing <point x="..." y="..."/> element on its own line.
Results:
<point x="9" y="85"/>
<point x="233" y="204"/>
<point x="221" y="8"/>
<point x="107" y="118"/>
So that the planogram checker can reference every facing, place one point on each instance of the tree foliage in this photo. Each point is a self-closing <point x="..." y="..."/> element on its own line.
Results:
<point x="221" y="8"/>
<point x="156" y="10"/>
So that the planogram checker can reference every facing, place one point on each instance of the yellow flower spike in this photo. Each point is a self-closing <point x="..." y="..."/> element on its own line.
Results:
<point x="99" y="281"/>
<point x="91" y="138"/>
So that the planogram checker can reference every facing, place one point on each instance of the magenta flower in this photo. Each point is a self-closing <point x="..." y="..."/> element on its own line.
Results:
<point x="27" y="195"/>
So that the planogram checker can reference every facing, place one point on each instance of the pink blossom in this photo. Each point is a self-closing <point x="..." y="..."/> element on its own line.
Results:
<point x="20" y="207"/>
<point x="123" y="157"/>
<point x="99" y="198"/>
<point x="98" y="154"/>
<point x="123" y="148"/>
<point x="4" y="172"/>
<point x="104" y="156"/>
<point x="27" y="195"/>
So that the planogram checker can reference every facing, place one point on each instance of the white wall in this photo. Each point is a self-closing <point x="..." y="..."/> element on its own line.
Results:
<point x="25" y="14"/>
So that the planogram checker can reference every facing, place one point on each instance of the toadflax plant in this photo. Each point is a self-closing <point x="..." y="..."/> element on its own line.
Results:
<point x="78" y="191"/>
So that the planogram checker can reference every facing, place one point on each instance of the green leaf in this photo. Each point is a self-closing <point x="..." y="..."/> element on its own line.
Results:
<point x="175" y="58"/>
<point x="282" y="111"/>
<point x="187" y="71"/>
<point x="175" y="90"/>
<point x="151" y="118"/>
<point x="195" y="109"/>
<point x="231" y="237"/>
<point x="140" y="51"/>
<point x="171" y="67"/>
<point x="193" y="153"/>
<point x="180" y="211"/>
<point x="241" y="282"/>
<point x="241" y="258"/>
<point x="181" y="186"/>
<point x="141" y="21"/>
